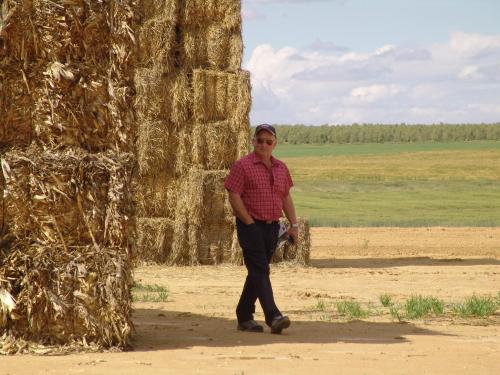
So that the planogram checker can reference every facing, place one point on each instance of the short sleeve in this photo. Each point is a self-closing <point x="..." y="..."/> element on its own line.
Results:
<point x="289" y="181"/>
<point x="235" y="181"/>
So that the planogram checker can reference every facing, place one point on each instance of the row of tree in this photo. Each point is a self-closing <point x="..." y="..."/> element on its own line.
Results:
<point x="376" y="133"/>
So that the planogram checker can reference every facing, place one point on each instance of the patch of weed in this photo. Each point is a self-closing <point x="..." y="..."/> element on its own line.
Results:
<point x="351" y="309"/>
<point x="476" y="307"/>
<point x="419" y="306"/>
<point x="385" y="299"/>
<point x="149" y="293"/>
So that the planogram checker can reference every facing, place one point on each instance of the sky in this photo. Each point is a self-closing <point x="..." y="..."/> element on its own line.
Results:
<point x="319" y="62"/>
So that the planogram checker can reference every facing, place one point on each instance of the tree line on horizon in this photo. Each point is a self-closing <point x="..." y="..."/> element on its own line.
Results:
<point x="377" y="133"/>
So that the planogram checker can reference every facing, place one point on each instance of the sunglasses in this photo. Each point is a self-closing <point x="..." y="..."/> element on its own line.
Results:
<point x="269" y="142"/>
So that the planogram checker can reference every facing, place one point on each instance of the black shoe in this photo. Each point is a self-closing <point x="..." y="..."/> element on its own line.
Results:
<point x="279" y="324"/>
<point x="250" y="326"/>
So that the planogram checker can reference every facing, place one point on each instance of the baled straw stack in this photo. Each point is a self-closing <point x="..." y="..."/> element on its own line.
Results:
<point x="216" y="145"/>
<point x="157" y="40"/>
<point x="297" y="253"/>
<point x="220" y="96"/>
<point x="154" y="239"/>
<point x="66" y="265"/>
<point x="202" y="12"/>
<point x="211" y="34"/>
<point x="156" y="195"/>
<point x="16" y="55"/>
<point x="162" y="97"/>
<point x="213" y="47"/>
<point x="75" y="60"/>
<point x="203" y="229"/>
<point x="156" y="147"/>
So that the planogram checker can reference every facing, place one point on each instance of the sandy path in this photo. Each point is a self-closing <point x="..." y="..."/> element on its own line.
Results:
<point x="194" y="331"/>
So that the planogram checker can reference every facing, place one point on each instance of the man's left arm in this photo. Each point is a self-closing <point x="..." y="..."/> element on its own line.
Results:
<point x="289" y="210"/>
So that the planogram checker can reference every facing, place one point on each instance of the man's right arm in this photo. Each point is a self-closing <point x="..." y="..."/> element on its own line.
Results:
<point x="239" y="209"/>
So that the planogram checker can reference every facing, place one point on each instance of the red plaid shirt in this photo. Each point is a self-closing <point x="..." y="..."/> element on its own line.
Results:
<point x="262" y="190"/>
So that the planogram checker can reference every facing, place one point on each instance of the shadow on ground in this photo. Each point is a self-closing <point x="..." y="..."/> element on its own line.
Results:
<point x="400" y="262"/>
<point x="160" y="329"/>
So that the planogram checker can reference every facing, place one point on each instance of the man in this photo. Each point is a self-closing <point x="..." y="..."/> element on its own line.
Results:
<point x="259" y="189"/>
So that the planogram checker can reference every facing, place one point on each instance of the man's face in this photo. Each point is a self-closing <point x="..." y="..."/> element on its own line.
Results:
<point x="264" y="143"/>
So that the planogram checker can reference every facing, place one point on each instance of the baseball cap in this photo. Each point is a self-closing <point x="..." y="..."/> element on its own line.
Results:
<point x="265" y="127"/>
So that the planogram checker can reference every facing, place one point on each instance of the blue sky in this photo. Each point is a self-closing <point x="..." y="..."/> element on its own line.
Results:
<point x="377" y="61"/>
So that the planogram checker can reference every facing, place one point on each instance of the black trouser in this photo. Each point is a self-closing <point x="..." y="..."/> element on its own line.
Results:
<point x="258" y="242"/>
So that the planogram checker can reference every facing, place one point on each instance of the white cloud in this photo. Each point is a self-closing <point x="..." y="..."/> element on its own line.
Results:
<point x="374" y="93"/>
<point x="471" y="45"/>
<point x="446" y="82"/>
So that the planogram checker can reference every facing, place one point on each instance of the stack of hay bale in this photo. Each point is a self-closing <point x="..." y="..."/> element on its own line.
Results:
<point x="193" y="104"/>
<point x="67" y="139"/>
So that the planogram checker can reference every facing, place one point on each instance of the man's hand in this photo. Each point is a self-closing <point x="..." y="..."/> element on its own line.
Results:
<point x="294" y="233"/>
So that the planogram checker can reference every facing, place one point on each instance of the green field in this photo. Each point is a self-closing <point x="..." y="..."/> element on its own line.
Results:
<point x="411" y="184"/>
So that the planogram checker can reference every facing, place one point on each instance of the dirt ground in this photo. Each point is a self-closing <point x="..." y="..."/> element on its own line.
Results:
<point x="194" y="331"/>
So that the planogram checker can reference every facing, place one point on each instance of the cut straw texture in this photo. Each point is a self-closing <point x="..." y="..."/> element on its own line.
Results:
<point x="156" y="195"/>
<point x="220" y="96"/>
<point x="203" y="228"/>
<point x="214" y="47"/>
<point x="157" y="144"/>
<point x="71" y="65"/>
<point x="154" y="240"/>
<point x="298" y="253"/>
<point x="66" y="256"/>
<point x="162" y="97"/>
<point x="201" y="12"/>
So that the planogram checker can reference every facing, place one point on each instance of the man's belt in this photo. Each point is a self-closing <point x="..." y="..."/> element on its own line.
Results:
<point x="266" y="221"/>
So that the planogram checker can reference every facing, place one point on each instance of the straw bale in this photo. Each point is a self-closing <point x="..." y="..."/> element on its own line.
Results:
<point x="156" y="147"/>
<point x="186" y="144"/>
<point x="221" y="95"/>
<point x="17" y="45"/>
<point x="158" y="44"/>
<point x="204" y="225"/>
<point x="224" y="12"/>
<point x="216" y="145"/>
<point x="154" y="239"/>
<point x="156" y="195"/>
<point x="61" y="296"/>
<point x="15" y="107"/>
<point x="71" y="197"/>
<point x="77" y="73"/>
<point x="297" y="253"/>
<point x="67" y="262"/>
<point x="167" y="9"/>
<point x="214" y="46"/>
<point x="162" y="97"/>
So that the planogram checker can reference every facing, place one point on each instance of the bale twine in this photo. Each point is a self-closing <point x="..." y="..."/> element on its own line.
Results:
<point x="299" y="252"/>
<point x="65" y="269"/>
<point x="154" y="239"/>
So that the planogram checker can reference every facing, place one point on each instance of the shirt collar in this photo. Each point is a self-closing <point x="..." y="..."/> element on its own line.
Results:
<point x="256" y="160"/>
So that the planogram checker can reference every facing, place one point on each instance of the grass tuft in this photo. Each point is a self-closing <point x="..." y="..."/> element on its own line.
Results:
<point x="419" y="306"/>
<point x="476" y="307"/>
<point x="149" y="293"/>
<point x="385" y="299"/>
<point x="320" y="305"/>
<point x="351" y="309"/>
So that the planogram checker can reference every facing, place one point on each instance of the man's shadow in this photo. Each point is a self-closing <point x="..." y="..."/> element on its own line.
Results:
<point x="157" y="329"/>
